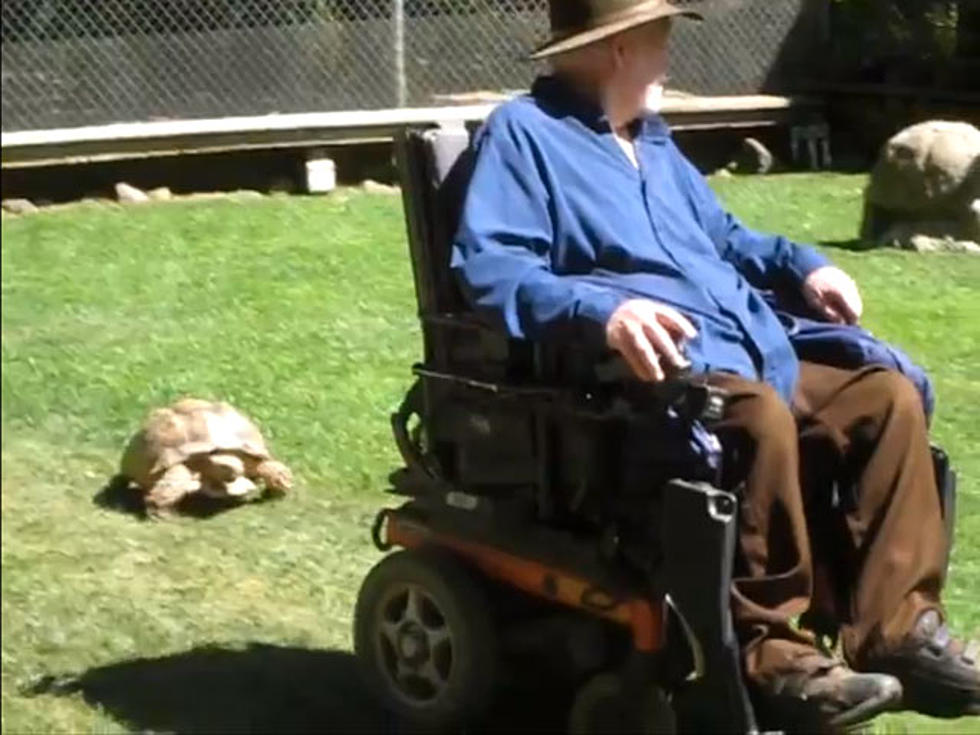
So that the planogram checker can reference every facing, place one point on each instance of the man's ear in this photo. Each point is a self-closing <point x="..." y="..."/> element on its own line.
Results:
<point x="617" y="51"/>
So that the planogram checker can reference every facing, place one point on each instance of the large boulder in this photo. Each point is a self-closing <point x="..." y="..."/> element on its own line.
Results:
<point x="925" y="188"/>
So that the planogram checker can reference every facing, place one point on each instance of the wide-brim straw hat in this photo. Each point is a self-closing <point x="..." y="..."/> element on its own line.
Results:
<point x="575" y="23"/>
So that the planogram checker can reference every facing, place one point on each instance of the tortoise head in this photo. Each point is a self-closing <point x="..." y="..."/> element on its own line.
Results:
<point x="277" y="477"/>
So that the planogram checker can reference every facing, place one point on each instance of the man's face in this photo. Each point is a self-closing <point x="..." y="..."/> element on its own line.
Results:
<point x="642" y="56"/>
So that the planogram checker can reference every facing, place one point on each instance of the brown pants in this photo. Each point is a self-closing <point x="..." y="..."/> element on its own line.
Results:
<point x="868" y="425"/>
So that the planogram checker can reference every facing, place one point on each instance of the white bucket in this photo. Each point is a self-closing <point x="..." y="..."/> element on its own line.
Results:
<point x="321" y="175"/>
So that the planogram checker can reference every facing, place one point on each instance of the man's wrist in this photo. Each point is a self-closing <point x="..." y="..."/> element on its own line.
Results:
<point x="595" y="312"/>
<point x="806" y="260"/>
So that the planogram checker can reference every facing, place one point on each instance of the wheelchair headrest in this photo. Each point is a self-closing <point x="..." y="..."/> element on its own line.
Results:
<point x="445" y="147"/>
<point x="450" y="168"/>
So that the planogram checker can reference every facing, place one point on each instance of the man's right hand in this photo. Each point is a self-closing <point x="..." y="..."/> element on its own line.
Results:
<point x="647" y="334"/>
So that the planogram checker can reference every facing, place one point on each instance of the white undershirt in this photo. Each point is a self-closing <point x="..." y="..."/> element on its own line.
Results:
<point x="625" y="141"/>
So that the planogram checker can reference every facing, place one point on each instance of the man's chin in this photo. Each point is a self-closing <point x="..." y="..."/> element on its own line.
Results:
<point x="654" y="98"/>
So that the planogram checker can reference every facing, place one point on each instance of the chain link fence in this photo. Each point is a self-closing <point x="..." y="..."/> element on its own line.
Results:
<point x="87" y="62"/>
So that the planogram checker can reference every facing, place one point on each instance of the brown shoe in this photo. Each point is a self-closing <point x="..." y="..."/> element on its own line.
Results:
<point x="827" y="697"/>
<point x="940" y="675"/>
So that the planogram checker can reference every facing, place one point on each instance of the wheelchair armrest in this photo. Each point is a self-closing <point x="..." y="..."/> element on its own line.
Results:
<point x="460" y="319"/>
<point x="560" y="367"/>
<point x="613" y="370"/>
<point x="683" y="391"/>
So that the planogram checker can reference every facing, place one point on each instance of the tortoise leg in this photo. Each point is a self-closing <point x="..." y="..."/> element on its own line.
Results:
<point x="222" y="473"/>
<point x="173" y="485"/>
<point x="239" y="487"/>
<point x="275" y="475"/>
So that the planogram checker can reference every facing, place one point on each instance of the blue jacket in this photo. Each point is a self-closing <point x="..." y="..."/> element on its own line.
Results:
<point x="845" y="346"/>
<point x="558" y="228"/>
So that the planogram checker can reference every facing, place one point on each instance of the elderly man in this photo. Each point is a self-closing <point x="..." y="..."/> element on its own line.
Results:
<point x="583" y="213"/>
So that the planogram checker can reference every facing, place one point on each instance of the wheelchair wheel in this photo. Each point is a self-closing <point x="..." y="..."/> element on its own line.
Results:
<point x="602" y="705"/>
<point x="425" y="639"/>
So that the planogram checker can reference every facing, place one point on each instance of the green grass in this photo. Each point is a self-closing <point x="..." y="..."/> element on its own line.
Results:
<point x="301" y="312"/>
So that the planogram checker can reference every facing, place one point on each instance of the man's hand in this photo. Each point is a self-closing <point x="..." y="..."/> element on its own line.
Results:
<point x="647" y="334"/>
<point x="834" y="295"/>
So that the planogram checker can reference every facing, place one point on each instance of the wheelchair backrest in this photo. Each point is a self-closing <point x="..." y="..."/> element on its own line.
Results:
<point x="435" y="167"/>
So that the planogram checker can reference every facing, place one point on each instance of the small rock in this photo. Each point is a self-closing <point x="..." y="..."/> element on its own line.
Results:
<point x="19" y="206"/>
<point x="68" y="206"/>
<point x="376" y="187"/>
<point x="929" y="236"/>
<point x="926" y="244"/>
<point x="160" y="194"/>
<point x="247" y="194"/>
<point x="130" y="194"/>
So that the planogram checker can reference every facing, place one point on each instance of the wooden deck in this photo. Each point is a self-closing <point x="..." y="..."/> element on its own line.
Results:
<point x="310" y="130"/>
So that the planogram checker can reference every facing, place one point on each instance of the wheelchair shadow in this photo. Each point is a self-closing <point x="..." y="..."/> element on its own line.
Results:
<point x="262" y="688"/>
<point x="258" y="689"/>
<point x="119" y="495"/>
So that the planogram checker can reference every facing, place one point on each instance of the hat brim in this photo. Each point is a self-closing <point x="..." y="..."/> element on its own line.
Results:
<point x="566" y="43"/>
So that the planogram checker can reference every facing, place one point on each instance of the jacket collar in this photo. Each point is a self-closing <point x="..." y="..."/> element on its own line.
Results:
<point x="555" y="94"/>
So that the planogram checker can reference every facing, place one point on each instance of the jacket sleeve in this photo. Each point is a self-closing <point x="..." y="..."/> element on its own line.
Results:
<point x="502" y="253"/>
<point x="766" y="261"/>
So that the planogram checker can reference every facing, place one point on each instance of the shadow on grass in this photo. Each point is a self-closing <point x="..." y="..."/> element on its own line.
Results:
<point x="117" y="494"/>
<point x="262" y="688"/>
<point x="854" y="245"/>
<point x="120" y="495"/>
<point x="266" y="688"/>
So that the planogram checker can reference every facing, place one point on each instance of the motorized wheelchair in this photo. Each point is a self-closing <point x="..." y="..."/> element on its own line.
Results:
<point x="556" y="509"/>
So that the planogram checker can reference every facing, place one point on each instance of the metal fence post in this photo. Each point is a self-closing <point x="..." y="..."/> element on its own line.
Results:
<point x="398" y="17"/>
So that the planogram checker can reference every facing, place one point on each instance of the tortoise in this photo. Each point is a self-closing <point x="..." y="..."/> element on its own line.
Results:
<point x="200" y="446"/>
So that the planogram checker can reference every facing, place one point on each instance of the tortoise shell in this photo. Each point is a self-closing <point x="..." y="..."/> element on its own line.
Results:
<point x="188" y="428"/>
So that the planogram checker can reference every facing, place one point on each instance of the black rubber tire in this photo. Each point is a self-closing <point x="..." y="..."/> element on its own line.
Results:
<point x="463" y="605"/>
<point x="602" y="705"/>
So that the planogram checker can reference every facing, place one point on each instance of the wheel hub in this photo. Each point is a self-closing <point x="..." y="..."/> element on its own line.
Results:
<point x="413" y="644"/>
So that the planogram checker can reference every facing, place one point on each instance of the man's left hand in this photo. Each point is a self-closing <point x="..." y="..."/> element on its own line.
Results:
<point x="834" y="295"/>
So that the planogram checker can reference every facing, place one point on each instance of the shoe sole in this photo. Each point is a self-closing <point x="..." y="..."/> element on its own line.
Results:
<point x="889" y="700"/>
